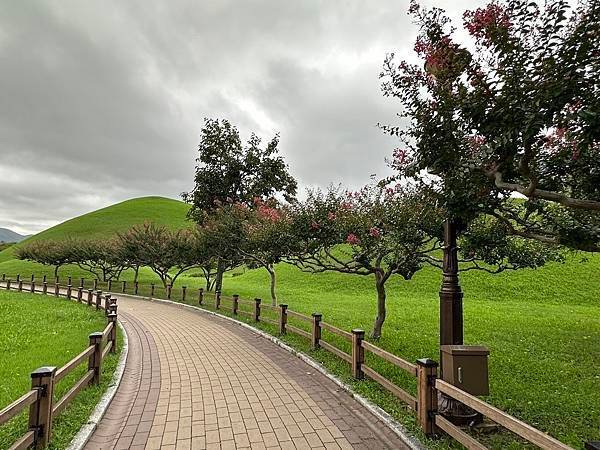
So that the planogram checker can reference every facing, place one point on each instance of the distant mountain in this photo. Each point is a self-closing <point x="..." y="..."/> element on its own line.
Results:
<point x="7" y="235"/>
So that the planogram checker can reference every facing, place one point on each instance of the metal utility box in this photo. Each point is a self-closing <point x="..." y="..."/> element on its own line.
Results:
<point x="466" y="367"/>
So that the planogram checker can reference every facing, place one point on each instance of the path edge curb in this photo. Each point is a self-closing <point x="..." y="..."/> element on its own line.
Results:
<point x="378" y="412"/>
<point x="85" y="432"/>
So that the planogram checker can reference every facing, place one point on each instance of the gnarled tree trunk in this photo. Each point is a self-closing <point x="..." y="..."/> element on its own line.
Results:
<point x="271" y="271"/>
<point x="380" y="280"/>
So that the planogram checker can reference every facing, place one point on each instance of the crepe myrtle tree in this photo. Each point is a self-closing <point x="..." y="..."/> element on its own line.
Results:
<point x="100" y="257"/>
<point x="514" y="112"/>
<point x="257" y="235"/>
<point x="56" y="253"/>
<point x="169" y="253"/>
<point x="228" y="171"/>
<point x="384" y="231"/>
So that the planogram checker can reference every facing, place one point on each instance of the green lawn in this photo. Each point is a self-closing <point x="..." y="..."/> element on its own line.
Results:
<point x="37" y="331"/>
<point x="542" y="326"/>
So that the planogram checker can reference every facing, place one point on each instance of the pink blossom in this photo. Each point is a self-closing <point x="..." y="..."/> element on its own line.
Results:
<point x="352" y="239"/>
<point x="375" y="232"/>
<point x="268" y="213"/>
<point x="346" y="205"/>
<point x="331" y="216"/>
<point x="314" y="225"/>
<point x="483" y="21"/>
<point x="400" y="156"/>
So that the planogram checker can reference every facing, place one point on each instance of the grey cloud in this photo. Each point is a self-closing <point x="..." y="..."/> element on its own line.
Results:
<point x="103" y="101"/>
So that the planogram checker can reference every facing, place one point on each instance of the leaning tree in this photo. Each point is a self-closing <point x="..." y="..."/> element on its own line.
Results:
<point x="228" y="171"/>
<point x="508" y="123"/>
<point x="384" y="231"/>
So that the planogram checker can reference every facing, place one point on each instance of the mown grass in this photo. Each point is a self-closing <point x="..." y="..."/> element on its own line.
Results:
<point x="542" y="326"/>
<point x="37" y="331"/>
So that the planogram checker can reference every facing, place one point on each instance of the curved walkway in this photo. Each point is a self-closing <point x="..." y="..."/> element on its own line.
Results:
<point x="195" y="381"/>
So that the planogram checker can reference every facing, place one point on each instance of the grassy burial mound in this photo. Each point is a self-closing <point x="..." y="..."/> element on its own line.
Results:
<point x="102" y="223"/>
<point x="41" y="331"/>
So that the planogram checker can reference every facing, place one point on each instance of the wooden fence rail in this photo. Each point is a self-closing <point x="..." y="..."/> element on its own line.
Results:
<point x="424" y="371"/>
<point x="40" y="399"/>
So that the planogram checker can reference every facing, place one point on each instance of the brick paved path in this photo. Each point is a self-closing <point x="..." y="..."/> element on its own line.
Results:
<point x="196" y="381"/>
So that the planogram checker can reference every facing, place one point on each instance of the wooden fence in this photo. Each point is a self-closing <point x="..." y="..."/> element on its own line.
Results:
<point x="43" y="407"/>
<point x="425" y="371"/>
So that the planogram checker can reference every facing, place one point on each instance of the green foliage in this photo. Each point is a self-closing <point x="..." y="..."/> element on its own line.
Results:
<point x="228" y="171"/>
<point x="519" y="114"/>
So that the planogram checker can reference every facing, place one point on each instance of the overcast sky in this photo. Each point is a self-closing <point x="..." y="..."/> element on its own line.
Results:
<point x="102" y="101"/>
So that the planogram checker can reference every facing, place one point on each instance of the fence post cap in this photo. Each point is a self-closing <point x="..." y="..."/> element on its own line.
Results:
<point x="236" y="295"/>
<point x="257" y="300"/>
<point x="184" y="287"/>
<point x="317" y="315"/>
<point x="112" y="316"/>
<point x="358" y="332"/>
<point x="427" y="362"/>
<point x="96" y="335"/>
<point x="283" y="305"/>
<point x="201" y="289"/>
<point x="43" y="372"/>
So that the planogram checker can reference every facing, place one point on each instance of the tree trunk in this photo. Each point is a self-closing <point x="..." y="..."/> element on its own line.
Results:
<point x="219" y="276"/>
<point x="135" y="274"/>
<point x="56" y="272"/>
<point x="271" y="271"/>
<point x="380" y="286"/>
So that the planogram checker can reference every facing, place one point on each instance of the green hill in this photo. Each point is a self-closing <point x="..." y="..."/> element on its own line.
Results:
<point x="118" y="217"/>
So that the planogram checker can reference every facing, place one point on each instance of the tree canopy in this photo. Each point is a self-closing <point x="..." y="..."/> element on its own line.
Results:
<point x="513" y="113"/>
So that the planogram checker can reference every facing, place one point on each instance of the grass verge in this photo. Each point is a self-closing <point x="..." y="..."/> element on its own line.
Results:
<point x="36" y="331"/>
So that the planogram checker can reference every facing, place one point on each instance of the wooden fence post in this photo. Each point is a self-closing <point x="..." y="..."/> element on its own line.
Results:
<point x="236" y="304"/>
<point x="282" y="317"/>
<point x="44" y="279"/>
<point x="112" y="337"/>
<point x="81" y="282"/>
<point x="106" y="303"/>
<point x="358" y="354"/>
<point x="136" y="286"/>
<point x="56" y="289"/>
<point x="8" y="284"/>
<point x="217" y="299"/>
<point x="79" y="294"/>
<point x="95" y="287"/>
<point x="183" y="289"/>
<point x="70" y="280"/>
<point x="98" y="299"/>
<point x="69" y="287"/>
<point x="18" y="277"/>
<point x="124" y="287"/>
<point x="40" y="412"/>
<point x="169" y="288"/>
<point x="32" y="287"/>
<point x="45" y="288"/>
<point x="95" y="361"/>
<point x="112" y="307"/>
<point x="151" y="290"/>
<point x="32" y="278"/>
<point x="200" y="296"/>
<point x="257" y="309"/>
<point x="20" y="286"/>
<point x="316" y="330"/>
<point x="89" y="297"/>
<point x="3" y="277"/>
<point x="427" y="394"/>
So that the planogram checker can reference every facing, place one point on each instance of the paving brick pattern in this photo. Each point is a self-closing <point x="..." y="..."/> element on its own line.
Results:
<point x="194" y="381"/>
